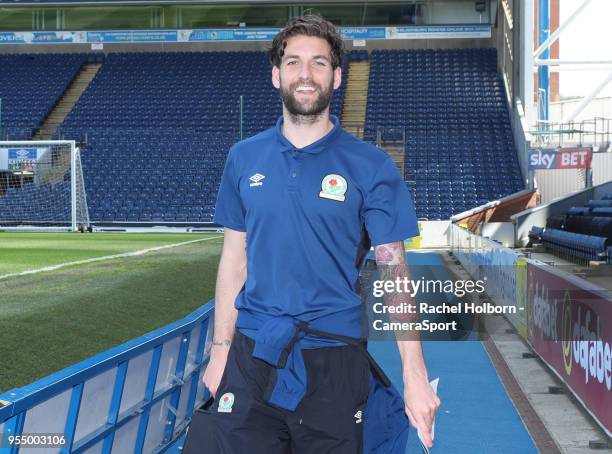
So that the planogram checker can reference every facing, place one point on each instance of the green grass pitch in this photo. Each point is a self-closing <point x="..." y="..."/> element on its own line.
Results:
<point x="53" y="319"/>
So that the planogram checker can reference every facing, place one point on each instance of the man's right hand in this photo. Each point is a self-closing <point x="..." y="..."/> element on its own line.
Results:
<point x="215" y="368"/>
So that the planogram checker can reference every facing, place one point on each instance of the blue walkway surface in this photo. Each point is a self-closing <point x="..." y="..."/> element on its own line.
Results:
<point x="476" y="416"/>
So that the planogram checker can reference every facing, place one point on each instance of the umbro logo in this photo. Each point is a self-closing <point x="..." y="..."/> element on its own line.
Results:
<point x="256" y="179"/>
<point x="358" y="417"/>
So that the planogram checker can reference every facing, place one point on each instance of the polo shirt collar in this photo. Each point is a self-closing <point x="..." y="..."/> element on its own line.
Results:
<point x="315" y="147"/>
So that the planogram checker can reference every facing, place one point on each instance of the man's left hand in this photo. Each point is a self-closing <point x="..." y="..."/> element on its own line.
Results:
<point x="420" y="404"/>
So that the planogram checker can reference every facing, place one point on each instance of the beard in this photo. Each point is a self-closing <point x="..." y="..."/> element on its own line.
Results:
<point x="309" y="111"/>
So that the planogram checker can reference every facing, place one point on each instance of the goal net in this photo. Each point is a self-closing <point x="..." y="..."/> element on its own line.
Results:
<point x="41" y="185"/>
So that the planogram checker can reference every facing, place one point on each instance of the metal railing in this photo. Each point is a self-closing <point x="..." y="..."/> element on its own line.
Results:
<point x="393" y="141"/>
<point x="594" y="132"/>
<point x="138" y="397"/>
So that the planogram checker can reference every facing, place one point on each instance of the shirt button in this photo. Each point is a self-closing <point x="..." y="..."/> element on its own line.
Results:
<point x="294" y="174"/>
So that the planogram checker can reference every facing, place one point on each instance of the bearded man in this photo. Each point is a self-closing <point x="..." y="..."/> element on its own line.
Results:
<point x="288" y="366"/>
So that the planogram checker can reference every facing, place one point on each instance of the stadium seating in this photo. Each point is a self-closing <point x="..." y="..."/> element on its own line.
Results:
<point x="14" y="210"/>
<point x="607" y="212"/>
<point x="583" y="232"/>
<point x="599" y="203"/>
<point x="459" y="146"/>
<point x="556" y="222"/>
<point x="575" y="245"/>
<point x="579" y="211"/>
<point x="159" y="126"/>
<point x="590" y="225"/>
<point x="358" y="55"/>
<point x="535" y="234"/>
<point x="30" y="85"/>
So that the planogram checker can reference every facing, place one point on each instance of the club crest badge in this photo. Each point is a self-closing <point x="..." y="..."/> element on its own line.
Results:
<point x="333" y="187"/>
<point x="226" y="402"/>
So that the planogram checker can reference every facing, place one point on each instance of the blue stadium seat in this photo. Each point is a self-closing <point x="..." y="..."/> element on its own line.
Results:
<point x="575" y="245"/>
<point x="451" y="104"/>
<point x="30" y="85"/>
<point x="579" y="211"/>
<point x="535" y="234"/>
<point x="159" y="126"/>
<point x="607" y="212"/>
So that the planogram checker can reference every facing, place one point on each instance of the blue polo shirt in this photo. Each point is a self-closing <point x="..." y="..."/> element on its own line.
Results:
<point x="303" y="210"/>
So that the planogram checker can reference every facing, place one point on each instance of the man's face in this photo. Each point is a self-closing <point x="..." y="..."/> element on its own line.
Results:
<point x="305" y="78"/>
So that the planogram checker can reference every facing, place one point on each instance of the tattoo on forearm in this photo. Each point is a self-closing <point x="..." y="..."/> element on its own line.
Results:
<point x="222" y="343"/>
<point x="391" y="262"/>
<point x="390" y="254"/>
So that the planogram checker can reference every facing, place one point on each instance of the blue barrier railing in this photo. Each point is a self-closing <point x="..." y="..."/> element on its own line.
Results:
<point x="137" y="397"/>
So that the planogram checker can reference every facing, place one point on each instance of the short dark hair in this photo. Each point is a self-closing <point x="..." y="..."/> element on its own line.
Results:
<point x="308" y="25"/>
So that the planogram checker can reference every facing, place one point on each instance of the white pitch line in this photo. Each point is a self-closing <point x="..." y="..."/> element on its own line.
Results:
<point x="106" y="257"/>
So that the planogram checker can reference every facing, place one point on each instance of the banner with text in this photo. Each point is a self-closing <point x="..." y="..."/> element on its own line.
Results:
<point x="439" y="32"/>
<point x="235" y="34"/>
<point x="20" y="159"/>
<point x="560" y="158"/>
<point x="570" y="327"/>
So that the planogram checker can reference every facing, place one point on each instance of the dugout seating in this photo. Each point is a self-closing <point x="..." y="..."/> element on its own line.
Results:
<point x="579" y="211"/>
<point x="535" y="234"/>
<point x="159" y="126"/>
<point x="459" y="149"/>
<point x="575" y="245"/>
<point x="599" y="204"/>
<point x="606" y="212"/>
<point x="583" y="232"/>
<point x="30" y="85"/>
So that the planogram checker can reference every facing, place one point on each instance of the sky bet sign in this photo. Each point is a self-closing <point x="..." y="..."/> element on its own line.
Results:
<point x="560" y="158"/>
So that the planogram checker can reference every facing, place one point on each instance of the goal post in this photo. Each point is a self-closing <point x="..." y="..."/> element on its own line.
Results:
<point x="42" y="185"/>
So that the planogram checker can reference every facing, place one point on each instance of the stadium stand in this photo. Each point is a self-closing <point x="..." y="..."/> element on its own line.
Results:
<point x="459" y="147"/>
<point x="30" y="85"/>
<point x="159" y="126"/>
<point x="583" y="233"/>
<point x="358" y="55"/>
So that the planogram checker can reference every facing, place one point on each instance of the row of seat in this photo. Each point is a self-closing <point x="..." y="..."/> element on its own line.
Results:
<point x="575" y="245"/>
<point x="148" y="116"/>
<point x="198" y="90"/>
<point x="448" y="108"/>
<point x="30" y="85"/>
<point x="583" y="233"/>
